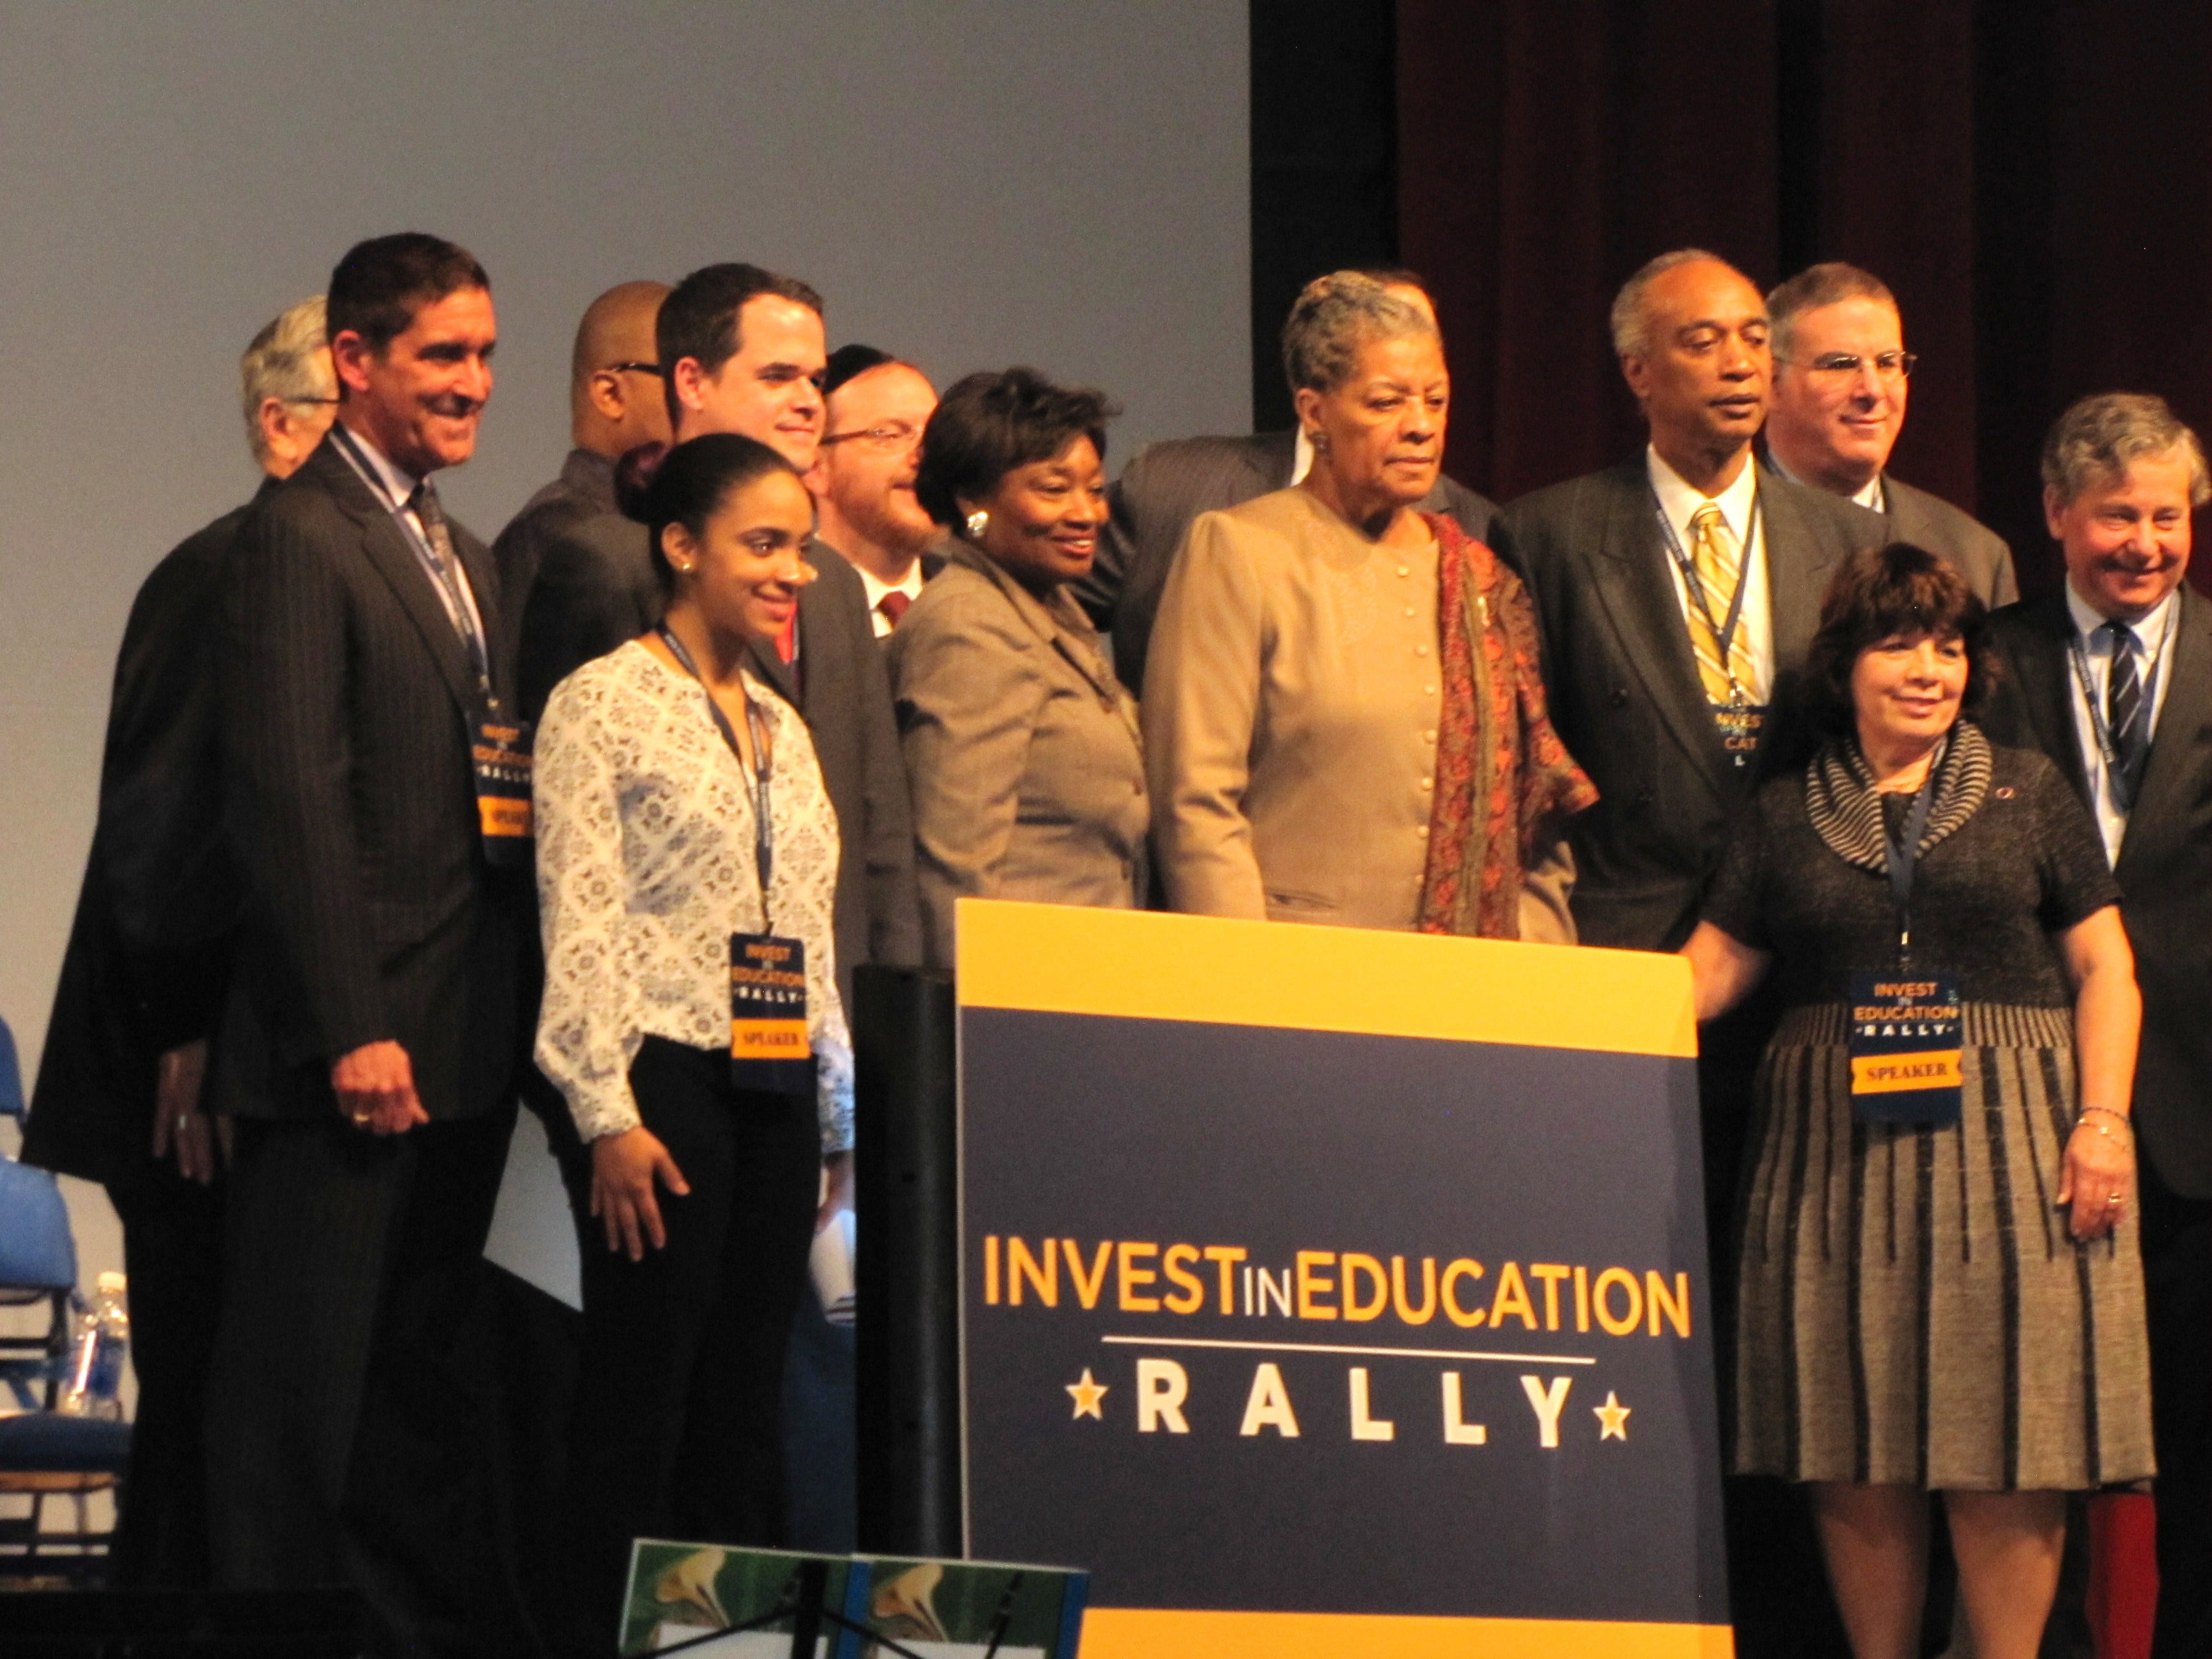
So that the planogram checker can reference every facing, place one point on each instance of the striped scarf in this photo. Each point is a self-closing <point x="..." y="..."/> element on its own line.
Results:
<point x="1846" y="810"/>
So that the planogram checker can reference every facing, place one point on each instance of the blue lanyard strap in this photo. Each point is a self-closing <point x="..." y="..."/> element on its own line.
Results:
<point x="1902" y="853"/>
<point x="1723" y="632"/>
<point x="437" y="563"/>
<point x="762" y="769"/>
<point x="2100" y="727"/>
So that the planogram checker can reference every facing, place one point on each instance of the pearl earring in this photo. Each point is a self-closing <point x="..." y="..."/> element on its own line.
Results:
<point x="978" y="522"/>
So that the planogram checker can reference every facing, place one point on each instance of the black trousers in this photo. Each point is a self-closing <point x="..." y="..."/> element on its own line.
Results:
<point x="2176" y="1251"/>
<point x="348" y="1403"/>
<point x="173" y="1253"/>
<point x="678" y="1425"/>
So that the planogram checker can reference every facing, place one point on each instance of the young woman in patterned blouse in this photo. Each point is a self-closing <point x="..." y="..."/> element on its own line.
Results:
<point x="653" y="762"/>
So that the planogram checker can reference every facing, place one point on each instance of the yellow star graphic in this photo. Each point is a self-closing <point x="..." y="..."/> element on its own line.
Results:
<point x="1613" y="1417"/>
<point x="1088" y="1393"/>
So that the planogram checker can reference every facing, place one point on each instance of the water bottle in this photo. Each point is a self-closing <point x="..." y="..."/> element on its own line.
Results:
<point x="95" y="1385"/>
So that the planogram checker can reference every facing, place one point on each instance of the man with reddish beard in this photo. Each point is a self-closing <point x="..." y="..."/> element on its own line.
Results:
<point x="369" y="1049"/>
<point x="1677" y="593"/>
<point x="2111" y="677"/>
<point x="1841" y="376"/>
<point x="863" y="478"/>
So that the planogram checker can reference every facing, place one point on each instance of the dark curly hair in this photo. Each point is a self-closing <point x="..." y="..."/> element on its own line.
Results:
<point x="1880" y="592"/>
<point x="990" y="424"/>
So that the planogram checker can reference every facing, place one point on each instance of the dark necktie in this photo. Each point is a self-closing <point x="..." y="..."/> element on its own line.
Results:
<point x="2125" y="715"/>
<point x="893" y="605"/>
<point x="423" y="503"/>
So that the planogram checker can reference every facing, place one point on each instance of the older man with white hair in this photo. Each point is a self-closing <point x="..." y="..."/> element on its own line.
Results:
<point x="118" y="1092"/>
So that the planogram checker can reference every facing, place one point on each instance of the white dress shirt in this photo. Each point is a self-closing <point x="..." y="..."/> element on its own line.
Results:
<point x="876" y="588"/>
<point x="1679" y="500"/>
<point x="2155" y="635"/>
<point x="1302" y="454"/>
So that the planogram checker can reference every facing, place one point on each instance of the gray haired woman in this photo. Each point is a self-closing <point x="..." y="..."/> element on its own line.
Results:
<point x="1343" y="717"/>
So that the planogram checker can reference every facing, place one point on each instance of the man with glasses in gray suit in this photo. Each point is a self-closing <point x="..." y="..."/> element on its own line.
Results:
<point x="1841" y="373"/>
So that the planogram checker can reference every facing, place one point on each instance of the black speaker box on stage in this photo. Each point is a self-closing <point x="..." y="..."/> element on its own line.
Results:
<point x="908" y="1276"/>
<point x="331" y="1623"/>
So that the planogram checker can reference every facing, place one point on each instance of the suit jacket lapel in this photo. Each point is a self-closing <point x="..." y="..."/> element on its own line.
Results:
<point x="1638" y="593"/>
<point x="1798" y="570"/>
<point x="384" y="545"/>
<point x="2181" y="715"/>
<point x="1082" y="655"/>
<point x="2046" y="689"/>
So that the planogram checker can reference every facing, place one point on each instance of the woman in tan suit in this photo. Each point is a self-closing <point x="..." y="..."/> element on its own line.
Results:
<point x="1021" y="747"/>
<point x="1343" y="713"/>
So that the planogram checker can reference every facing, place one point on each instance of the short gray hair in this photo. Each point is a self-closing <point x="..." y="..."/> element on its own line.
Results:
<point x="1632" y="329"/>
<point x="283" y="363"/>
<point x="1830" y="284"/>
<point x="2099" y="438"/>
<point x="1333" y="317"/>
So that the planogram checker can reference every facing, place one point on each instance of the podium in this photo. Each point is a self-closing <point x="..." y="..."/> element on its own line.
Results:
<point x="1327" y="1291"/>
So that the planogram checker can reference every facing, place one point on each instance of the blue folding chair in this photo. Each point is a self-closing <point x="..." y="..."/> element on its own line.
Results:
<point x="44" y="1454"/>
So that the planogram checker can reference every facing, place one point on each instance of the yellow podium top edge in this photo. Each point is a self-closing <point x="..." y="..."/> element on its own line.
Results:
<point x="1162" y="1633"/>
<point x="1140" y="964"/>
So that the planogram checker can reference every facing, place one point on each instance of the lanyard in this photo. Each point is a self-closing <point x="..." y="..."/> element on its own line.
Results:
<point x="441" y="571"/>
<point x="2100" y="727"/>
<point x="764" y="825"/>
<point x="1902" y="854"/>
<point x="1722" y="632"/>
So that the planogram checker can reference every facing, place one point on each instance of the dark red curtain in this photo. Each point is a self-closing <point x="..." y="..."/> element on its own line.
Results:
<point x="2034" y="178"/>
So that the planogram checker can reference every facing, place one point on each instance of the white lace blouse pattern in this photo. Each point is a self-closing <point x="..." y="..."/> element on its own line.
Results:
<point x="646" y="867"/>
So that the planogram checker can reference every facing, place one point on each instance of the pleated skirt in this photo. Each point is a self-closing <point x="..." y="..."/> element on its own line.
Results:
<point x="1911" y="1308"/>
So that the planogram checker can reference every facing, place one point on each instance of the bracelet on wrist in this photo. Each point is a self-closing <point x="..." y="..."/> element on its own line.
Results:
<point x="2108" y="1111"/>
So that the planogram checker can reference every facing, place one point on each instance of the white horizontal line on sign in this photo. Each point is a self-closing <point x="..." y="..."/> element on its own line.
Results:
<point x="1321" y="1347"/>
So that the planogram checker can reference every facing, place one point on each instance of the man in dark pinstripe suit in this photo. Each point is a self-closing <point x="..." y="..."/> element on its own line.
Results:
<point x="371" y="1037"/>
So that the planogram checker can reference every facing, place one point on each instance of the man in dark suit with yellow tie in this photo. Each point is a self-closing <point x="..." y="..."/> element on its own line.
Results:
<point x="2111" y="677"/>
<point x="1678" y="591"/>
<point x="370" y="1044"/>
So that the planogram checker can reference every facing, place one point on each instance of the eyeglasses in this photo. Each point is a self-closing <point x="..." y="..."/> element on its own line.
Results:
<point x="1890" y="364"/>
<point x="308" y="400"/>
<point x="897" y="436"/>
<point x="652" y="369"/>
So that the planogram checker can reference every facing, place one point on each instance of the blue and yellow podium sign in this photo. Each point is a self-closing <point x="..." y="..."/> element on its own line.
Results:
<point x="1330" y="1292"/>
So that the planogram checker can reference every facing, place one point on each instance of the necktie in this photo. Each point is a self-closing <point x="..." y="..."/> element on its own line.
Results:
<point x="2123" y="709"/>
<point x="1718" y="562"/>
<point x="423" y="503"/>
<point x="893" y="605"/>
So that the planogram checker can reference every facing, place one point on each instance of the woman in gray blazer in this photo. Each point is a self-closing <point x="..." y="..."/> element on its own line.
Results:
<point x="1021" y="747"/>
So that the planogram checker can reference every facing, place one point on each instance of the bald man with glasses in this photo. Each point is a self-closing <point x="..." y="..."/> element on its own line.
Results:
<point x="1841" y="375"/>
<point x="615" y="403"/>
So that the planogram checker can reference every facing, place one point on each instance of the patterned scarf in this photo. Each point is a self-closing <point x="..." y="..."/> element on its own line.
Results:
<point x="1846" y="810"/>
<point x="1504" y="782"/>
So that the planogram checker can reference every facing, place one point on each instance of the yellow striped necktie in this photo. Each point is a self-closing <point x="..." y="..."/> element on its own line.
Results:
<point x="1718" y="562"/>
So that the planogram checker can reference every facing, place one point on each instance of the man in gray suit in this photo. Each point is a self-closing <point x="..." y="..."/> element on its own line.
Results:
<point x="1841" y="373"/>
<point x="742" y="350"/>
<point x="2111" y="677"/>
<point x="1677" y="593"/>
<point x="1167" y="485"/>
<point x="615" y="403"/>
